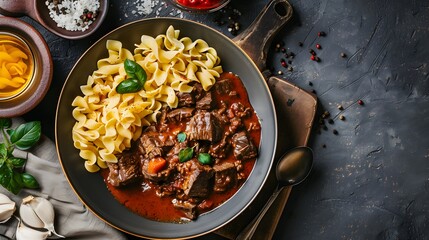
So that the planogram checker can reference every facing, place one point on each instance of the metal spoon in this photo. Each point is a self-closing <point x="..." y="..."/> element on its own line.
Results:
<point x="293" y="167"/>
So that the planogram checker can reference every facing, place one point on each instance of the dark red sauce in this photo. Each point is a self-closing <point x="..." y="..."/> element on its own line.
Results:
<point x="141" y="197"/>
<point x="200" y="4"/>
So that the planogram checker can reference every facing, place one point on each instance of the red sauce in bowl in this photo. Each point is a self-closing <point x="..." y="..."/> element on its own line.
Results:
<point x="200" y="4"/>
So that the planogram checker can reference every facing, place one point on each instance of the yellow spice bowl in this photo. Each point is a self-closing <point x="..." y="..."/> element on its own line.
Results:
<point x="21" y="100"/>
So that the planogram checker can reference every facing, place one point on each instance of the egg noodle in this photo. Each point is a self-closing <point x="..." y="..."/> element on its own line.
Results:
<point x="13" y="69"/>
<point x="107" y="122"/>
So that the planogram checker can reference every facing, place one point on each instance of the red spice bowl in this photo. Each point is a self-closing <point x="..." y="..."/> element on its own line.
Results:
<point x="200" y="6"/>
<point x="22" y="90"/>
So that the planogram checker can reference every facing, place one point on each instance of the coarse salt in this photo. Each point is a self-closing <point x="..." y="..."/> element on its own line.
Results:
<point x="73" y="14"/>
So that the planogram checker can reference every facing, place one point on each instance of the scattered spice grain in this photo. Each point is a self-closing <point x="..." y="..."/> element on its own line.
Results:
<point x="342" y="118"/>
<point x="335" y="132"/>
<point x="318" y="46"/>
<point x="360" y="102"/>
<point x="321" y="34"/>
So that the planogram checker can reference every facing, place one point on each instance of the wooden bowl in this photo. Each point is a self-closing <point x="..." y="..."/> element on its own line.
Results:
<point x="39" y="83"/>
<point x="37" y="10"/>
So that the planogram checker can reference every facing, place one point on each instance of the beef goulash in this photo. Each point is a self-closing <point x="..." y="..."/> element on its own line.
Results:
<point x="172" y="134"/>
<point x="194" y="158"/>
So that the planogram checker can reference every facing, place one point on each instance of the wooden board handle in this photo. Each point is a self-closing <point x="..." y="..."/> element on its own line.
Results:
<point x="256" y="39"/>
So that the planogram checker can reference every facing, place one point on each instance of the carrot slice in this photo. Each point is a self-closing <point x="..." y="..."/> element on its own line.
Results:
<point x="156" y="165"/>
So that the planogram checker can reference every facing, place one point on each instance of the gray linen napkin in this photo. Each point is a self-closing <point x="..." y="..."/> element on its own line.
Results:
<point x="72" y="219"/>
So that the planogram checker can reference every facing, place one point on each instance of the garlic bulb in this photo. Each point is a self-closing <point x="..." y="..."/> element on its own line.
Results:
<point x="38" y="212"/>
<point x="24" y="233"/>
<point x="7" y="208"/>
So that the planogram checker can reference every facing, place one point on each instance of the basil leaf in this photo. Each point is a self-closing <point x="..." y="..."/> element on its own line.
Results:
<point x="10" y="179"/>
<point x="130" y="85"/>
<point x="29" y="181"/>
<point x="134" y="70"/>
<point x="186" y="154"/>
<point x="26" y="135"/>
<point x="204" y="158"/>
<point x="5" y="122"/>
<point x="10" y="131"/>
<point x="181" y="137"/>
<point x="17" y="162"/>
<point x="3" y="150"/>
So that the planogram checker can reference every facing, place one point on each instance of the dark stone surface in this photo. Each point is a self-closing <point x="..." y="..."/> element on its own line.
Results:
<point x="369" y="181"/>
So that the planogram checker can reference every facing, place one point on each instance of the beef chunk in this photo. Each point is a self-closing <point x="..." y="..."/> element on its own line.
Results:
<point x="204" y="126"/>
<point x="161" y="176"/>
<point x="198" y="178"/>
<point x="243" y="146"/>
<point x="185" y="99"/>
<point x="180" y="113"/>
<point x="223" y="86"/>
<point x="154" y="144"/>
<point x="198" y="91"/>
<point x="238" y="110"/>
<point x="225" y="176"/>
<point x="205" y="102"/>
<point x="220" y="149"/>
<point x="188" y="208"/>
<point x="126" y="170"/>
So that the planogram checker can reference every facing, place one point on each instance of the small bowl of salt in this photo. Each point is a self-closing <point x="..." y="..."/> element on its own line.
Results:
<point x="71" y="19"/>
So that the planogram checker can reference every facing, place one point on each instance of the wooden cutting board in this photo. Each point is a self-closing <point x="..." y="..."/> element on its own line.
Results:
<point x="296" y="110"/>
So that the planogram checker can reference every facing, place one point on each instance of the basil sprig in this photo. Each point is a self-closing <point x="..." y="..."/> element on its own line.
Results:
<point x="12" y="175"/>
<point x="186" y="154"/>
<point x="136" y="78"/>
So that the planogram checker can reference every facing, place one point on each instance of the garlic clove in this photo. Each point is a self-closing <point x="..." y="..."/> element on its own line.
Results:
<point x="7" y="208"/>
<point x="44" y="210"/>
<point x="29" y="217"/>
<point x="24" y="233"/>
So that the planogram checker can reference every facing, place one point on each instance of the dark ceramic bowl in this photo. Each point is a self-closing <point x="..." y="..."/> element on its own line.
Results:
<point x="38" y="10"/>
<point x="40" y="81"/>
<point x="91" y="188"/>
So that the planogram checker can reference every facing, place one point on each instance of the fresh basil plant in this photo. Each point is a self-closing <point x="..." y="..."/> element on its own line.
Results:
<point x="12" y="175"/>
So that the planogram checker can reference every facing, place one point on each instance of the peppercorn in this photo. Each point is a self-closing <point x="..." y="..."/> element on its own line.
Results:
<point x="312" y="52"/>
<point x="335" y="132"/>
<point x="360" y="102"/>
<point x="280" y="72"/>
<point x="318" y="46"/>
<point x="300" y="44"/>
<point x="343" y="55"/>
<point x="340" y="107"/>
<point x="313" y="58"/>
<point x="330" y="121"/>
<point x="310" y="83"/>
<point x="342" y="118"/>
<point x="321" y="34"/>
